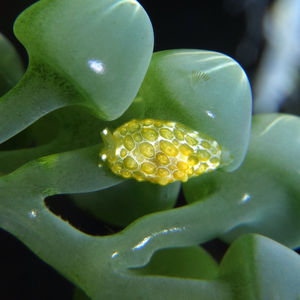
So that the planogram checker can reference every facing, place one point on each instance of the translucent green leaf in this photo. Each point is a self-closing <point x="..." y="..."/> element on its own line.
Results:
<point x="122" y="204"/>
<point x="263" y="195"/>
<point x="11" y="69"/>
<point x="259" y="268"/>
<point x="92" y="53"/>
<point x="207" y="91"/>
<point x="192" y="262"/>
<point x="62" y="130"/>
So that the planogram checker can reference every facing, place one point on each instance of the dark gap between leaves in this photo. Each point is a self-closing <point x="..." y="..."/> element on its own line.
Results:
<point x="26" y="276"/>
<point x="216" y="248"/>
<point x="180" y="199"/>
<point x="63" y="207"/>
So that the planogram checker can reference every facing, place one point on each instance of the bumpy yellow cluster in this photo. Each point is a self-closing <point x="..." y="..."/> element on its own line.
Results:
<point x="159" y="151"/>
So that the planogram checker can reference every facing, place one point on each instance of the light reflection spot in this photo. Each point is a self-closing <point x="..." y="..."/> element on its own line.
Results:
<point x="246" y="197"/>
<point x="96" y="66"/>
<point x="32" y="213"/>
<point x="210" y="114"/>
<point x="142" y="243"/>
<point x="155" y="234"/>
<point x="115" y="253"/>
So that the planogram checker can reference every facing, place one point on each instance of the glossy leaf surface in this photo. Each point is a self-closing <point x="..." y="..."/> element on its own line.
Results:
<point x="122" y="204"/>
<point x="92" y="53"/>
<point x="263" y="195"/>
<point x="11" y="69"/>
<point x="204" y="90"/>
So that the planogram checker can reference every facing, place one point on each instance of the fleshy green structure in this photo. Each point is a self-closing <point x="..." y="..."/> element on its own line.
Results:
<point x="91" y="66"/>
<point x="159" y="151"/>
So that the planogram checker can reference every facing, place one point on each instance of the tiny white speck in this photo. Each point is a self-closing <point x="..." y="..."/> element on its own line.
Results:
<point x="96" y="66"/>
<point x="115" y="253"/>
<point x="105" y="131"/>
<point x="210" y="114"/>
<point x="246" y="197"/>
<point x="103" y="157"/>
<point x="32" y="213"/>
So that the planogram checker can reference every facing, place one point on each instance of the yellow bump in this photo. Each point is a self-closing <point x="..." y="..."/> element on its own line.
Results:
<point x="168" y="148"/>
<point x="191" y="141"/>
<point x="163" y="172"/>
<point x="129" y="142"/>
<point x="206" y="145"/>
<point x="137" y="137"/>
<point x="147" y="122"/>
<point x="179" y="175"/>
<point x="149" y="134"/>
<point x="179" y="134"/>
<point x="164" y="181"/>
<point x="148" y="168"/>
<point x="117" y="167"/>
<point x="215" y="160"/>
<point x="192" y="160"/>
<point x="182" y="166"/>
<point x="162" y="158"/>
<point x="169" y="123"/>
<point x="133" y="126"/>
<point x="123" y="130"/>
<point x="203" y="155"/>
<point x="139" y="176"/>
<point x="190" y="172"/>
<point x="147" y="149"/>
<point x="166" y="133"/>
<point x="182" y="127"/>
<point x="175" y="142"/>
<point x="158" y="123"/>
<point x="123" y="153"/>
<point x="125" y="174"/>
<point x="172" y="167"/>
<point x="202" y="168"/>
<point x="186" y="149"/>
<point x="130" y="163"/>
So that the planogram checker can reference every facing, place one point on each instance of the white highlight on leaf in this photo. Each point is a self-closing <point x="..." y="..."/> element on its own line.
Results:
<point x="246" y="197"/>
<point x="96" y="66"/>
<point x="115" y="253"/>
<point x="146" y="239"/>
<point x="33" y="213"/>
<point x="210" y="114"/>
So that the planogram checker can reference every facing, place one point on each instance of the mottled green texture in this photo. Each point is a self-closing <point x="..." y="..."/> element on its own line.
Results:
<point x="157" y="254"/>
<point x="11" y="69"/>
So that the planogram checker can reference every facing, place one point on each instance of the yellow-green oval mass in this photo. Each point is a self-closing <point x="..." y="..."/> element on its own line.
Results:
<point x="159" y="151"/>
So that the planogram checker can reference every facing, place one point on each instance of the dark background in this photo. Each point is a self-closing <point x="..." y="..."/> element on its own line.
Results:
<point x="228" y="26"/>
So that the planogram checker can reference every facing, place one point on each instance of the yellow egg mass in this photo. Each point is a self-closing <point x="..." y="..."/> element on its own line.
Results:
<point x="159" y="151"/>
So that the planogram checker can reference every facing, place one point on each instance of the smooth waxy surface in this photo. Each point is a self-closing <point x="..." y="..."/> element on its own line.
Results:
<point x="159" y="151"/>
<point x="205" y="90"/>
